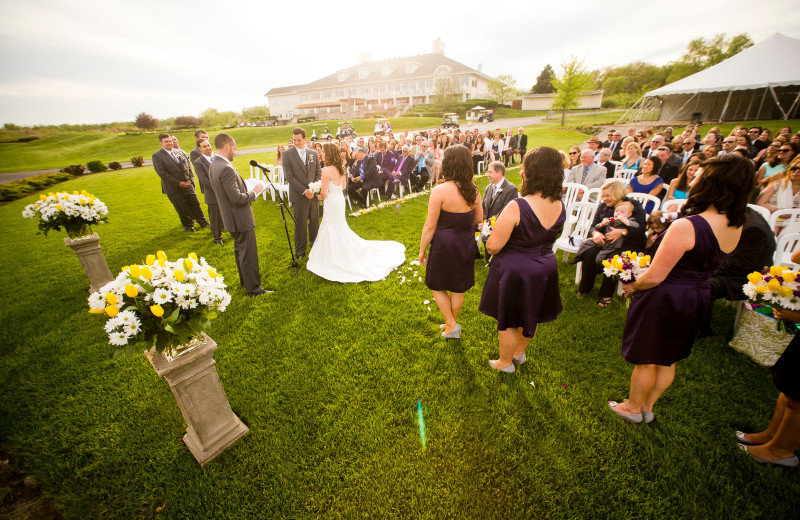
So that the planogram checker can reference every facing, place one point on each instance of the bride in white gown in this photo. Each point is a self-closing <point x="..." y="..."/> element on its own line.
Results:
<point x="339" y="254"/>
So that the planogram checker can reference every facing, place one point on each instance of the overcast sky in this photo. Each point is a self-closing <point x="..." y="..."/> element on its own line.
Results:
<point x="99" y="61"/>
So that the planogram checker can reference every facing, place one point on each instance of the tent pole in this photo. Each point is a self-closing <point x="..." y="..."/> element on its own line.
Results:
<point x="794" y="105"/>
<point x="747" y="115"/>
<point x="761" y="105"/>
<point x="725" y="108"/>
<point x="632" y="109"/>
<point x="777" y="102"/>
<point x="697" y="101"/>
<point x="738" y="105"/>
<point x="687" y="102"/>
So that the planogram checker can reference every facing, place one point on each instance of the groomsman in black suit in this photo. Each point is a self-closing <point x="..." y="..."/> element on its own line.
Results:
<point x="300" y="167"/>
<point x="177" y="182"/>
<point x="499" y="192"/>
<point x="234" y="205"/>
<point x="202" y="165"/>
<point x="199" y="135"/>
<point x="521" y="144"/>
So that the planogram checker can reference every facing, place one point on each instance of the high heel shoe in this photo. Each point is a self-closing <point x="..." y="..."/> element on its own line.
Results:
<point x="508" y="370"/>
<point x="519" y="360"/>
<point x="454" y="334"/>
<point x="635" y="418"/>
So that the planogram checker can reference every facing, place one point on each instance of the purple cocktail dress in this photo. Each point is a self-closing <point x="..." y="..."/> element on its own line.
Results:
<point x="451" y="259"/>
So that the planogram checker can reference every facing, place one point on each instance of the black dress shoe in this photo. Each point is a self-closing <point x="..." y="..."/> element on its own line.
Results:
<point x="218" y="241"/>
<point x="301" y="256"/>
<point x="189" y="230"/>
<point x="259" y="291"/>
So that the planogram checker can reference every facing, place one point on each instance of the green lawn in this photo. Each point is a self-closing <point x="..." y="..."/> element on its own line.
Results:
<point x="327" y="375"/>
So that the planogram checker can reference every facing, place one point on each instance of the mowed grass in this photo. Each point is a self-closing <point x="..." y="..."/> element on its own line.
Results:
<point x="327" y="375"/>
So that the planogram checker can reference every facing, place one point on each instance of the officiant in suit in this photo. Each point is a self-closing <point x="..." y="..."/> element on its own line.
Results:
<point x="234" y="205"/>
<point x="499" y="192"/>
<point x="301" y="167"/>
<point x="177" y="182"/>
<point x="202" y="165"/>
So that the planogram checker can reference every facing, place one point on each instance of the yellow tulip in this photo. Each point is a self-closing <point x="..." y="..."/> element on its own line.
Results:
<point x="754" y="278"/>
<point x="642" y="262"/>
<point x="131" y="290"/>
<point x="761" y="289"/>
<point x="774" y="285"/>
<point x="86" y="193"/>
<point x="178" y="274"/>
<point x="134" y="270"/>
<point x="74" y="192"/>
<point x="112" y="298"/>
<point x="146" y="273"/>
<point x="42" y="197"/>
<point x="187" y="263"/>
<point x="97" y="311"/>
<point x="193" y="257"/>
<point x="150" y="260"/>
<point x="59" y="208"/>
<point x="161" y="255"/>
<point x="212" y="273"/>
<point x="112" y="310"/>
<point x="776" y="270"/>
<point x="789" y="276"/>
<point x="157" y="310"/>
<point x="162" y="262"/>
<point x="606" y="263"/>
<point x="785" y="291"/>
<point x="493" y="220"/>
<point x="648" y="258"/>
<point x="83" y="201"/>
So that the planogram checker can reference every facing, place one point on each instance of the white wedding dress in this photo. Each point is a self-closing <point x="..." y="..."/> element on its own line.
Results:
<point x="340" y="255"/>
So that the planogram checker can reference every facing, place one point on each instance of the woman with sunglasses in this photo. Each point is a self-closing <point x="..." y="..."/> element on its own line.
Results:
<point x="783" y="190"/>
<point x="785" y="154"/>
<point x="574" y="156"/>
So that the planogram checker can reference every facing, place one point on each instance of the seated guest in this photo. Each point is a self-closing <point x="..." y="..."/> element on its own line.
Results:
<point x="386" y="162"/>
<point x="495" y="148"/>
<point x="347" y="156"/>
<point x="778" y="158"/>
<point x="364" y="177"/>
<point x="679" y="187"/>
<point x="574" y="156"/>
<point x="688" y="150"/>
<point x="604" y="160"/>
<point x="622" y="219"/>
<point x="508" y="148"/>
<point x="633" y="157"/>
<point x="423" y="166"/>
<point x="279" y="155"/>
<point x="566" y="163"/>
<point x="670" y="164"/>
<point x="402" y="172"/>
<point x="648" y="181"/>
<point x="614" y="145"/>
<point x="587" y="172"/>
<point x="593" y="144"/>
<point x="655" y="142"/>
<point x="499" y="192"/>
<point x="478" y="154"/>
<point x="783" y="190"/>
<point x="710" y="151"/>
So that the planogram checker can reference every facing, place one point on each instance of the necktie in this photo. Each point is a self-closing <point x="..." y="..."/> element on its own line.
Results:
<point x="175" y="156"/>
<point x="585" y="173"/>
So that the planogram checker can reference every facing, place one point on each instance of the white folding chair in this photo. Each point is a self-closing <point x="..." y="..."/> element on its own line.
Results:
<point x="577" y="225"/>
<point x="784" y="217"/>
<point x="571" y="195"/>
<point x="672" y="205"/>
<point x="644" y="198"/>
<point x="277" y="178"/>
<point x="377" y="194"/>
<point x="626" y="174"/>
<point x="592" y="195"/>
<point x="764" y="212"/>
<point x="480" y="167"/>
<point x="787" y="245"/>
<point x="617" y="166"/>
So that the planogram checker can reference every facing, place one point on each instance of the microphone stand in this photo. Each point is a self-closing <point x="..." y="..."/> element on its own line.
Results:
<point x="281" y="204"/>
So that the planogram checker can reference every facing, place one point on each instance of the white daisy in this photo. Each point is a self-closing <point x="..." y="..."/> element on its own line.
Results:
<point x="118" y="339"/>
<point x="162" y="295"/>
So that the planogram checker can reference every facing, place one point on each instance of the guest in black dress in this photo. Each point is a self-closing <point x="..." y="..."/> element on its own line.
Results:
<point x="453" y="211"/>
<point x="521" y="289"/>
<point x="670" y="300"/>
<point x="777" y="444"/>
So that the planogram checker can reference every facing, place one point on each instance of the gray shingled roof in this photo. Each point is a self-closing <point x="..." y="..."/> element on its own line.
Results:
<point x="428" y="63"/>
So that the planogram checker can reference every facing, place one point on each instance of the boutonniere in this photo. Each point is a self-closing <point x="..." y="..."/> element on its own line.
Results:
<point x="310" y="158"/>
<point x="498" y="190"/>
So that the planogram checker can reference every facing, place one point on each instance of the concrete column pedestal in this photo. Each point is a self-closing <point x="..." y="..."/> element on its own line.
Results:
<point x="91" y="257"/>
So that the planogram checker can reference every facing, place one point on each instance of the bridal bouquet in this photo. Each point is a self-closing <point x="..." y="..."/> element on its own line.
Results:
<point x="160" y="304"/>
<point x="74" y="212"/>
<point x="628" y="266"/>
<point x="776" y="287"/>
<point x="488" y="225"/>
<point x="315" y="187"/>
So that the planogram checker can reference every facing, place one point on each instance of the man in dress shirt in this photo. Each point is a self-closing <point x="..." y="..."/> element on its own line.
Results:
<point x="364" y="177"/>
<point x="405" y="163"/>
<point x="521" y="144"/>
<point x="728" y="145"/>
<point x="301" y="167"/>
<point x="202" y="165"/>
<point x="615" y="146"/>
<point x="587" y="172"/>
<point x="594" y="145"/>
<point x="655" y="142"/>
<point x="604" y="160"/>
<point x="199" y="135"/>
<point x="670" y="163"/>
<point x="234" y="205"/>
<point x="499" y="192"/>
<point x="688" y="150"/>
<point x="423" y="167"/>
<point x="177" y="183"/>
<point x="508" y="148"/>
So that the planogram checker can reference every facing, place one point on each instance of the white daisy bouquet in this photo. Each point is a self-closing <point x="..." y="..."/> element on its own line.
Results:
<point x="160" y="304"/>
<point x="777" y="287"/>
<point x="75" y="212"/>
<point x="315" y="187"/>
<point x="628" y="266"/>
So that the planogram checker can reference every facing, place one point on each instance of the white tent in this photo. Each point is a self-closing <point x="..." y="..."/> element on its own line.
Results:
<point x="761" y="82"/>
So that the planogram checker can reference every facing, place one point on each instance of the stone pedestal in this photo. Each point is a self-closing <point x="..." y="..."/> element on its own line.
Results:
<point x="211" y="424"/>
<point x="91" y="257"/>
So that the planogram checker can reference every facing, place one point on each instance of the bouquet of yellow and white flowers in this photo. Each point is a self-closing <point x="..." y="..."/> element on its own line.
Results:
<point x="161" y="304"/>
<point x="488" y="225"/>
<point x="777" y="287"/>
<point x="75" y="212"/>
<point x="628" y="266"/>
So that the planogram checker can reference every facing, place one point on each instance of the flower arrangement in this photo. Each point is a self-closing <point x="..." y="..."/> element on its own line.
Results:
<point x="776" y="287"/>
<point x="75" y="212"/>
<point x="315" y="187"/>
<point x="389" y="203"/>
<point x="628" y="266"/>
<point x="488" y="225"/>
<point x="160" y="304"/>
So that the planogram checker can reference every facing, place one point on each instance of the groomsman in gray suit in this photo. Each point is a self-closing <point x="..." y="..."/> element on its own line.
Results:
<point x="237" y="215"/>
<point x="497" y="195"/>
<point x="202" y="165"/>
<point x="177" y="182"/>
<point x="301" y="166"/>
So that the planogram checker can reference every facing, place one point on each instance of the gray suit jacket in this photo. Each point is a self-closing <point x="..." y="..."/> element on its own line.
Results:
<point x="195" y="154"/>
<point x="493" y="206"/>
<point x="297" y="174"/>
<point x="232" y="196"/>
<point x="594" y="179"/>
<point x="202" y="167"/>
<point x="172" y="173"/>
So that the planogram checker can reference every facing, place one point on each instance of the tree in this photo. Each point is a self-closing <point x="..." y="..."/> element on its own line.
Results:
<point x="701" y="54"/>
<point x="503" y="88"/>
<point x="573" y="80"/>
<point x="543" y="84"/>
<point x="255" y="113"/>
<point x="187" y="121"/>
<point x="213" y="117"/>
<point x="145" y="121"/>
<point x="445" y="91"/>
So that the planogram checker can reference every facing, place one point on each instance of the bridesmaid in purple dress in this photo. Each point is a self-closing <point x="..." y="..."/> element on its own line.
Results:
<point x="453" y="211"/>
<point x="671" y="299"/>
<point x="521" y="289"/>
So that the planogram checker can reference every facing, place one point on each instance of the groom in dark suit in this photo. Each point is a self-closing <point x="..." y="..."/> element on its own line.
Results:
<point x="301" y="166"/>
<point x="497" y="195"/>
<point x="177" y="182"/>
<point x="237" y="215"/>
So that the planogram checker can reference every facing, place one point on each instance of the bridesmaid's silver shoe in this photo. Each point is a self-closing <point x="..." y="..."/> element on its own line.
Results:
<point x="508" y="370"/>
<point x="454" y="334"/>
<point x="519" y="360"/>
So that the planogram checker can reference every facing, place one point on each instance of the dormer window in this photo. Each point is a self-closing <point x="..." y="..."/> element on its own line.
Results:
<point x="343" y="75"/>
<point x="411" y="68"/>
<point x="386" y="70"/>
<point x="363" y="73"/>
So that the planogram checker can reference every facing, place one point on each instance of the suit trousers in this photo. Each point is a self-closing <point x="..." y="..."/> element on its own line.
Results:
<point x="187" y="205"/>
<point x="589" y="270"/>
<point x="508" y="156"/>
<point x="215" y="219"/>
<point x="306" y="215"/>
<point x="418" y="179"/>
<point x="246" y="252"/>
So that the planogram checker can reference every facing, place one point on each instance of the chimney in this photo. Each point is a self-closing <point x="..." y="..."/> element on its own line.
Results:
<point x="364" y="57"/>
<point x="480" y="67"/>
<point x="438" y="46"/>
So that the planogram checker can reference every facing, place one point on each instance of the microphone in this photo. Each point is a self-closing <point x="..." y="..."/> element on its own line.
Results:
<point x="254" y="163"/>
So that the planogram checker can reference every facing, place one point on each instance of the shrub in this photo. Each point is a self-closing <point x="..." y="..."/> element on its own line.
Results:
<point x="96" y="166"/>
<point x="114" y="165"/>
<point x="18" y="189"/>
<point x="145" y="121"/>
<point x="137" y="162"/>
<point x="74" y="169"/>
<point x="187" y="121"/>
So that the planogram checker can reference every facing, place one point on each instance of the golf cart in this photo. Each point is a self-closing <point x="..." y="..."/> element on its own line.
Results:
<point x="450" y="120"/>
<point x="320" y="132"/>
<point x="344" y="129"/>
<point x="382" y="127"/>
<point x="485" y="116"/>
